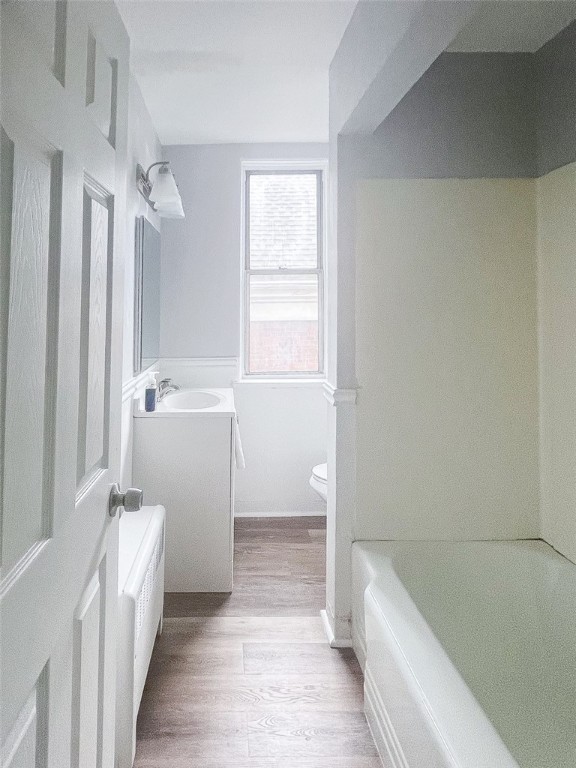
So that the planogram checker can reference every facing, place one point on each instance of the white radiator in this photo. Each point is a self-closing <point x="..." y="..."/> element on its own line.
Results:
<point x="141" y="600"/>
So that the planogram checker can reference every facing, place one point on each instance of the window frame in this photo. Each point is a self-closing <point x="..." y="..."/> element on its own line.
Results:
<point x="309" y="167"/>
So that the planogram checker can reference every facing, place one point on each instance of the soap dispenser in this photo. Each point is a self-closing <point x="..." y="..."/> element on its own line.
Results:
<point x="150" y="393"/>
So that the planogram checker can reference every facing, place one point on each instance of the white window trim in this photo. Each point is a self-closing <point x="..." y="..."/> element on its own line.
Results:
<point x="309" y="165"/>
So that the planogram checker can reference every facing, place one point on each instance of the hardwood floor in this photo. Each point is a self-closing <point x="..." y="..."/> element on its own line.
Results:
<point x="247" y="680"/>
<point x="279" y="567"/>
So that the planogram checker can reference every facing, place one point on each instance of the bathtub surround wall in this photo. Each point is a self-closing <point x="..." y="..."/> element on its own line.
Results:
<point x="143" y="148"/>
<point x="557" y="313"/>
<point x="446" y="359"/>
<point x="283" y="427"/>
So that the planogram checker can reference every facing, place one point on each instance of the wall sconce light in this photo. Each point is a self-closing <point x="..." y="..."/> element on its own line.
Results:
<point x="161" y="194"/>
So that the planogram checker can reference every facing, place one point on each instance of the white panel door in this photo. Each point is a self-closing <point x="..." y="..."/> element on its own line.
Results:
<point x="64" y="68"/>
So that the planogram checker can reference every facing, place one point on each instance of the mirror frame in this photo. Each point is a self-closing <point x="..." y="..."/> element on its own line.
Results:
<point x="141" y="222"/>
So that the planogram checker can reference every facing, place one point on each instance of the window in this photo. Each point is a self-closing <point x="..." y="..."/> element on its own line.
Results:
<point x="283" y="273"/>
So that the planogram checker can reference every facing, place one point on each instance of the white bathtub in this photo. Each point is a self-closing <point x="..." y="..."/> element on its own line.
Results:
<point x="469" y="652"/>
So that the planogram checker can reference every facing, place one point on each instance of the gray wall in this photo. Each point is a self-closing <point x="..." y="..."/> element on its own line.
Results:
<point x="479" y="115"/>
<point x="556" y="69"/>
<point x="465" y="118"/>
<point x="201" y="255"/>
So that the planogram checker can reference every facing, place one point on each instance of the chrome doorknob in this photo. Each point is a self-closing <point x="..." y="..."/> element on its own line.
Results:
<point x="131" y="500"/>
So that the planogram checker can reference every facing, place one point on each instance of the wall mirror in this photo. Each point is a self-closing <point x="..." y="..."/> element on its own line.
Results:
<point x="146" y="295"/>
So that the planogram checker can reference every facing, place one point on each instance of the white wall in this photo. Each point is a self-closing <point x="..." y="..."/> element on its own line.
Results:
<point x="283" y="428"/>
<point x="446" y="358"/>
<point x="557" y="315"/>
<point x="143" y="148"/>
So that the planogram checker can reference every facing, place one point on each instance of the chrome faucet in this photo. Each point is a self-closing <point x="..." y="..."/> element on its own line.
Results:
<point x="165" y="387"/>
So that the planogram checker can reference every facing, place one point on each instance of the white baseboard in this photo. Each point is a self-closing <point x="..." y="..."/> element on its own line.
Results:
<point x="267" y="513"/>
<point x="309" y="508"/>
<point x="334" y="641"/>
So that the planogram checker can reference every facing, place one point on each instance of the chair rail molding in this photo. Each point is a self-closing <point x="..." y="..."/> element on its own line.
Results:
<point x="336" y="396"/>
<point x="131" y="386"/>
<point x="200" y="371"/>
<point x="194" y="362"/>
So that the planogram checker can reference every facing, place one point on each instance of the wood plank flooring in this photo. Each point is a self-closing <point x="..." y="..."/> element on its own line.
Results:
<point x="279" y="570"/>
<point x="247" y="680"/>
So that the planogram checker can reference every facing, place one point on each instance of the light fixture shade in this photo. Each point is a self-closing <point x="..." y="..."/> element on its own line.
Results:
<point x="170" y="210"/>
<point x="164" y="189"/>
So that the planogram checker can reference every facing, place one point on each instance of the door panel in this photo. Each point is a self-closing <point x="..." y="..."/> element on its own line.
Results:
<point x="59" y="41"/>
<point x="86" y="728"/>
<point x="94" y="379"/>
<point x="31" y="337"/>
<point x="101" y="86"/>
<point x="40" y="25"/>
<point x="27" y="744"/>
<point x="63" y="187"/>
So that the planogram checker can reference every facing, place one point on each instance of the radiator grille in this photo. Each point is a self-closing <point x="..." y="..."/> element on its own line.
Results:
<point x="148" y="584"/>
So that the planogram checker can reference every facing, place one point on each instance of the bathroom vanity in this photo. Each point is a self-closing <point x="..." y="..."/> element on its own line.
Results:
<point x="184" y="459"/>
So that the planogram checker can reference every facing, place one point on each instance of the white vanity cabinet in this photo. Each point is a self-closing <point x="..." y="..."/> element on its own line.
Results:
<point x="184" y="460"/>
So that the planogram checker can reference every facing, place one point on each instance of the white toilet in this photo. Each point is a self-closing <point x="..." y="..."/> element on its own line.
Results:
<point x="319" y="480"/>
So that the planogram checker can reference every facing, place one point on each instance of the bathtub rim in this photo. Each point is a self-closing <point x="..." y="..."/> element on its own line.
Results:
<point x="364" y="571"/>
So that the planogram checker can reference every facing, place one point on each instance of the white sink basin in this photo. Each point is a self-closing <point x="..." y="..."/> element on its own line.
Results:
<point x="191" y="400"/>
<point x="190" y="404"/>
